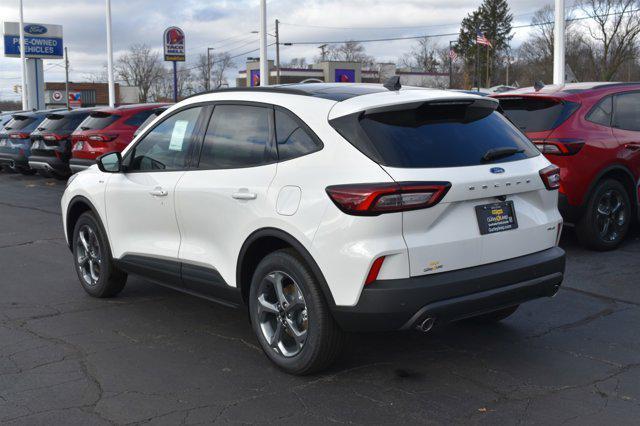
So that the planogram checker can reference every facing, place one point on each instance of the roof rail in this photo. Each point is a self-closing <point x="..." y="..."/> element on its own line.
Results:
<point x="270" y="89"/>
<point x="626" y="83"/>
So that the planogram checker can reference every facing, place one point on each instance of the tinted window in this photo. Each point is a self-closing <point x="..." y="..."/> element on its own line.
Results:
<point x="98" y="121"/>
<point x="293" y="140"/>
<point x="168" y="146"/>
<point x="601" y="113"/>
<point x="136" y="120"/>
<point x="537" y="115"/>
<point x="238" y="136"/>
<point x="627" y="111"/>
<point x="434" y="136"/>
<point x="62" y="123"/>
<point x="19" y="122"/>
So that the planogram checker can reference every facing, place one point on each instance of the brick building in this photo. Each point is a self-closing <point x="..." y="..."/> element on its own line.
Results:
<point x="90" y="94"/>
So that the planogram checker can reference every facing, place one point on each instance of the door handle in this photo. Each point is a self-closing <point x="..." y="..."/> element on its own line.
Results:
<point x="159" y="192"/>
<point x="244" y="195"/>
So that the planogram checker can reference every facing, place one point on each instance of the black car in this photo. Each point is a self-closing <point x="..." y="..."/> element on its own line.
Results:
<point x="51" y="142"/>
<point x="15" y="140"/>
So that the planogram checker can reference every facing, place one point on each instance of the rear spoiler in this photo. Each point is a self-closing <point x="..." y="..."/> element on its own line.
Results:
<point x="475" y="109"/>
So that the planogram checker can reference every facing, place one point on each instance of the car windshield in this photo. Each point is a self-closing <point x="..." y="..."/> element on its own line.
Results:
<point x="537" y="115"/>
<point x="19" y="122"/>
<point x="62" y="123"/>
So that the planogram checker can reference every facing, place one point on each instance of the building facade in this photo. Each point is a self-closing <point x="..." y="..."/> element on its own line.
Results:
<point x="87" y="95"/>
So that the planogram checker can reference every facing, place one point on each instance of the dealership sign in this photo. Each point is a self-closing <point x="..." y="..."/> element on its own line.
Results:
<point x="174" y="44"/>
<point x="40" y="40"/>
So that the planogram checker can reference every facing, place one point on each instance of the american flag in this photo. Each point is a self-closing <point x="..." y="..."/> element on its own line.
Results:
<point x="481" y="39"/>
<point x="453" y="55"/>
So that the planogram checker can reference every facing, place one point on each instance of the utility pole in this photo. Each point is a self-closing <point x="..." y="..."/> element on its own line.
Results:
<point x="208" y="84"/>
<point x="277" y="52"/>
<point x="508" y="63"/>
<point x="323" y="51"/>
<point x="477" y="77"/>
<point x="66" y="75"/>
<point x="112" y="89"/>
<point x="264" y="60"/>
<point x="558" y="44"/>
<point x="23" y="61"/>
<point x="451" y="63"/>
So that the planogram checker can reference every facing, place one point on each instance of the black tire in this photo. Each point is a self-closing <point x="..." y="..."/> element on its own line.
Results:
<point x="324" y="339"/>
<point x="590" y="229"/>
<point x="496" y="316"/>
<point x="110" y="281"/>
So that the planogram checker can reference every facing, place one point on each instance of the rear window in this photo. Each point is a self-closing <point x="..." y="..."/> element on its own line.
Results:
<point x="61" y="123"/>
<point x="19" y="122"/>
<point x="537" y="115"/>
<point x="137" y="119"/>
<point x="98" y="121"/>
<point x="434" y="136"/>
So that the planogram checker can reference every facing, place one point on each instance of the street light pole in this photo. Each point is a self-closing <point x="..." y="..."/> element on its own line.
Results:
<point x="208" y="83"/>
<point x="264" y="61"/>
<point x="112" y="89"/>
<point x="277" y="52"/>
<point x="558" y="44"/>
<point x="451" y="63"/>
<point x="23" y="61"/>
<point x="66" y="75"/>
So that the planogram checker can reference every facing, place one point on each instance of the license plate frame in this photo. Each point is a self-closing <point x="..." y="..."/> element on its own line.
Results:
<point x="496" y="217"/>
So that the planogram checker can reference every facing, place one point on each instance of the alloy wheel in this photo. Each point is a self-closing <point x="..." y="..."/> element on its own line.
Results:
<point x="282" y="313"/>
<point x="611" y="215"/>
<point x="88" y="255"/>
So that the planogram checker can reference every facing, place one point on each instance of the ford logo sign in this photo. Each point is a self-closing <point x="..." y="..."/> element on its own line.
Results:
<point x="35" y="29"/>
<point x="496" y="170"/>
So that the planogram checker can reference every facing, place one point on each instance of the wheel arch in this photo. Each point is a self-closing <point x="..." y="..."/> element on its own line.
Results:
<point x="77" y="206"/>
<point x="267" y="240"/>
<point x="622" y="174"/>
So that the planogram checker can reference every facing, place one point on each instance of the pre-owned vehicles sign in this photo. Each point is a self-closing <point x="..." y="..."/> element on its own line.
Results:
<point x="40" y="40"/>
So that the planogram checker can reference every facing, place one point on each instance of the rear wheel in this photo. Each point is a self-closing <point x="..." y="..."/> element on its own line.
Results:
<point x="290" y="315"/>
<point x="92" y="257"/>
<point x="496" y="316"/>
<point x="606" y="221"/>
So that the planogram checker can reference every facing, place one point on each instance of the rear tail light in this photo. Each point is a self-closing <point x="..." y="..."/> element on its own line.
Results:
<point x="377" y="198"/>
<point x="19" y="135"/>
<point x="551" y="177"/>
<point x="374" y="271"/>
<point x="559" y="146"/>
<point x="53" y="137"/>
<point x="102" y="138"/>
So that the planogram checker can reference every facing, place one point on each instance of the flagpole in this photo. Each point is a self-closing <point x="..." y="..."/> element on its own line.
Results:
<point x="477" y="77"/>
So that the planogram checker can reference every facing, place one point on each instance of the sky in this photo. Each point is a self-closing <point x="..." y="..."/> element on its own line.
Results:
<point x="226" y="25"/>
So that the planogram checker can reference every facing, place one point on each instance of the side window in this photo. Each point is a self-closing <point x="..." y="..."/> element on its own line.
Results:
<point x="136" y="120"/>
<point x="626" y="113"/>
<point x="601" y="113"/>
<point x="293" y="140"/>
<point x="238" y="136"/>
<point x="168" y="146"/>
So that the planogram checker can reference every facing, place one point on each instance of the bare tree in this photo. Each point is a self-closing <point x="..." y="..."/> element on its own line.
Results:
<point x="422" y="56"/>
<point x="222" y="63"/>
<point x="162" y="89"/>
<point x="350" y="51"/>
<point x="613" y="28"/>
<point x="140" y="67"/>
<point x="214" y="71"/>
<point x="296" y="63"/>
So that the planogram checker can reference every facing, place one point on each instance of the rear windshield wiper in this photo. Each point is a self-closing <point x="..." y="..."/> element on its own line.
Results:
<point x="495" y="153"/>
<point x="85" y="128"/>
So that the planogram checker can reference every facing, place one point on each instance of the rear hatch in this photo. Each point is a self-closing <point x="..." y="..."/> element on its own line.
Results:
<point x="497" y="206"/>
<point x="52" y="137"/>
<point x="15" y="134"/>
<point x="95" y="135"/>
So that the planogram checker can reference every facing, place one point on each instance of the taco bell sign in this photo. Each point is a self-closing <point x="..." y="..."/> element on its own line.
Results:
<point x="40" y="40"/>
<point x="174" y="44"/>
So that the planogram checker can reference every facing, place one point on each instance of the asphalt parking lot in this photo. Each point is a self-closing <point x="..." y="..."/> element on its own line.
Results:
<point x="155" y="356"/>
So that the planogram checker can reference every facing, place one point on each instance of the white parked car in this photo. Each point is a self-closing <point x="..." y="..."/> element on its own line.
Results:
<point x="325" y="208"/>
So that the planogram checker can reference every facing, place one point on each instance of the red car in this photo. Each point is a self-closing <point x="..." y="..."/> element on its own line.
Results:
<point x="592" y="132"/>
<point x="107" y="130"/>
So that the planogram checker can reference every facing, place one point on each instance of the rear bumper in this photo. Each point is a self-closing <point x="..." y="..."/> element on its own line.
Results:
<point x="13" y="160"/>
<point x="451" y="296"/>
<point x="79" y="164"/>
<point x="50" y="164"/>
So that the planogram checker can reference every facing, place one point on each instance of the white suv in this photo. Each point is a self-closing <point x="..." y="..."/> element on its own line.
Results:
<point x="325" y="208"/>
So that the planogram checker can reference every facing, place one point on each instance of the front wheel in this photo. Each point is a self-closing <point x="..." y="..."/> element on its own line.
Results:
<point x="290" y="315"/>
<point x="606" y="221"/>
<point x="92" y="257"/>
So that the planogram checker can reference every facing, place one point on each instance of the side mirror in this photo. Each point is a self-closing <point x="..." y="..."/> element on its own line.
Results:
<point x="110" y="163"/>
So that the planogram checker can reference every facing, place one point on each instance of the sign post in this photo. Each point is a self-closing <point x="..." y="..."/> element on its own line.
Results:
<point x="174" y="51"/>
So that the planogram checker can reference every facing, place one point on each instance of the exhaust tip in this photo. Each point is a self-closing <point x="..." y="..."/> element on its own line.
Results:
<point x="426" y="325"/>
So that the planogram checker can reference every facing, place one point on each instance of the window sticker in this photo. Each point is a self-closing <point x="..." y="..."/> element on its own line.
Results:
<point x="177" y="137"/>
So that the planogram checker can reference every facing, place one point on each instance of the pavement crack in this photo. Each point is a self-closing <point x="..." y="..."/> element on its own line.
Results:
<point x="28" y="243"/>
<point x="584" y="321"/>
<point x="37" y="209"/>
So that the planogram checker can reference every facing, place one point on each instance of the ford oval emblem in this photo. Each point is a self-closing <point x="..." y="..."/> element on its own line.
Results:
<point x="496" y="170"/>
<point x="35" y="29"/>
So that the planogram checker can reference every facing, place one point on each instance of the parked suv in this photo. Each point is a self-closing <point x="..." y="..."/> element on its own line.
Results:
<point x="325" y="208"/>
<point x="592" y="132"/>
<point x="51" y="142"/>
<point x="15" y="140"/>
<point x="106" y="130"/>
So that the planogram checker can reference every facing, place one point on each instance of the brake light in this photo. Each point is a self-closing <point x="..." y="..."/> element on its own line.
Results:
<point x="559" y="146"/>
<point x="377" y="198"/>
<point x="374" y="271"/>
<point x="102" y="138"/>
<point x="551" y="177"/>
<point x="19" y="135"/>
